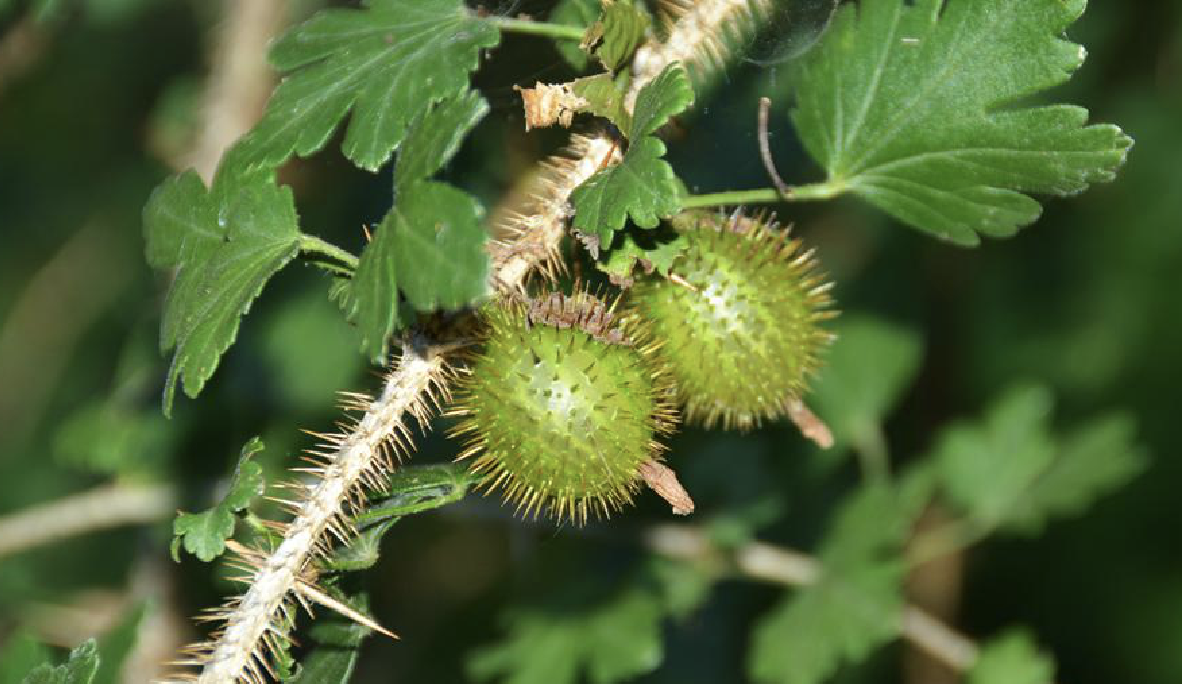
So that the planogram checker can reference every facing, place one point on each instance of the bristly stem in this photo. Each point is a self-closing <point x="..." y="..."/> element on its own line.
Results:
<point x="799" y="193"/>
<point x="310" y="244"/>
<point x="538" y="28"/>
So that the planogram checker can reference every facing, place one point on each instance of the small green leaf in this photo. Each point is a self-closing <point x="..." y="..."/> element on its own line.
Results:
<point x="435" y="136"/>
<point x="914" y="107"/>
<point x="1012" y="659"/>
<point x="204" y="534"/>
<point x="1093" y="461"/>
<point x="79" y="669"/>
<point x="611" y="639"/>
<point x="431" y="246"/>
<point x="853" y="609"/>
<point x="620" y="30"/>
<point x="662" y="98"/>
<point x="986" y="467"/>
<point x="1011" y="472"/>
<point x="867" y="370"/>
<point x="574" y="13"/>
<point x="387" y="63"/>
<point x="605" y="97"/>
<point x="654" y="251"/>
<point x="21" y="653"/>
<point x="642" y="186"/>
<point x="225" y="244"/>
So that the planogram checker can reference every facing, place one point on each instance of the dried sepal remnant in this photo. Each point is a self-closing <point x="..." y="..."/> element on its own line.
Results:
<point x="699" y="34"/>
<point x="347" y="464"/>
<point x="528" y="240"/>
<point x="742" y="321"/>
<point x="560" y="417"/>
<point x="546" y="105"/>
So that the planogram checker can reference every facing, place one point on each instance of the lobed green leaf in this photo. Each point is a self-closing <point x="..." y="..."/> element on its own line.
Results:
<point x="204" y="534"/>
<point x="436" y="135"/>
<point x="661" y="99"/>
<point x="853" y="609"/>
<point x="651" y="251"/>
<point x="611" y="640"/>
<point x="642" y="186"/>
<point x="431" y="247"/>
<point x="225" y="244"/>
<point x="915" y="108"/>
<point x="867" y="370"/>
<point x="386" y="63"/>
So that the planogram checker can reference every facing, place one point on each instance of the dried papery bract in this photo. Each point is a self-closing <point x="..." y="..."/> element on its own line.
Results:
<point x="563" y="406"/>
<point x="546" y="105"/>
<point x="744" y="337"/>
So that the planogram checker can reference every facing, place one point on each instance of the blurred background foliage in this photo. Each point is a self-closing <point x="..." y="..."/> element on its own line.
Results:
<point x="99" y="99"/>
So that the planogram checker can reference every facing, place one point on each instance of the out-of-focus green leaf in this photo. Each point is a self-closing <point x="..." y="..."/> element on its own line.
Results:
<point x="79" y="669"/>
<point x="1011" y="472"/>
<point x="21" y="653"/>
<point x="1096" y="459"/>
<point x="225" y="244"/>
<point x="386" y="63"/>
<point x="608" y="640"/>
<point x="853" y="608"/>
<point x="866" y="371"/>
<point x="204" y="534"/>
<point x="913" y="108"/>
<point x="310" y="351"/>
<point x="109" y="438"/>
<point x="986" y="466"/>
<point x="575" y="13"/>
<point x="1012" y="659"/>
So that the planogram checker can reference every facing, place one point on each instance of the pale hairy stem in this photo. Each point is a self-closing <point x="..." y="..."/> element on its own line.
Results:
<point x="236" y="654"/>
<point x="768" y="563"/>
<point x="97" y="509"/>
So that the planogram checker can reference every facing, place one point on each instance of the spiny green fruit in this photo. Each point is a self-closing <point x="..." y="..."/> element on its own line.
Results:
<point x="739" y="319"/>
<point x="563" y="406"/>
